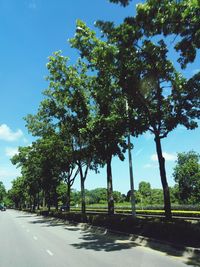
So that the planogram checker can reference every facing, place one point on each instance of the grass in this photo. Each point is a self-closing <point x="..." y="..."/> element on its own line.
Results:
<point x="183" y="213"/>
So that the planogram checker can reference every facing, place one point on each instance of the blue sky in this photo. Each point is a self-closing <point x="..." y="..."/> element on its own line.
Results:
<point x="31" y="30"/>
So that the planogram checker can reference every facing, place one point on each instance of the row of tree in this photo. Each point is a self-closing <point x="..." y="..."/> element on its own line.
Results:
<point x="123" y="84"/>
<point x="186" y="190"/>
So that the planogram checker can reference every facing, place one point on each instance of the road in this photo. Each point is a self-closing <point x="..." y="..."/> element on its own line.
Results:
<point x="27" y="240"/>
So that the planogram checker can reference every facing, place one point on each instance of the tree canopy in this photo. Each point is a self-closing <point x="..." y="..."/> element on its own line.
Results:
<point x="187" y="176"/>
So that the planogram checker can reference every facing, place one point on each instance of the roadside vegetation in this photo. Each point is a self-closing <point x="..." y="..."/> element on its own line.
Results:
<point x="123" y="84"/>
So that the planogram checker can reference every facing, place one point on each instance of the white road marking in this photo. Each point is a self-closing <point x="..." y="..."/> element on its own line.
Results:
<point x="27" y="230"/>
<point x="35" y="237"/>
<point x="49" y="252"/>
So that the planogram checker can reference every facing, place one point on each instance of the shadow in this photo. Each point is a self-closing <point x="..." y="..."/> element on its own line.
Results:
<point x="25" y="216"/>
<point x="50" y="222"/>
<point x="189" y="258"/>
<point x="98" y="239"/>
<point x="41" y="221"/>
<point x="194" y="260"/>
<point x="99" y="242"/>
<point x="72" y="229"/>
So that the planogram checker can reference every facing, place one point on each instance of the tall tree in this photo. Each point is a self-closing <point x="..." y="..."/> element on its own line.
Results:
<point x="109" y="125"/>
<point x="159" y="97"/>
<point x="18" y="193"/>
<point x="66" y="109"/>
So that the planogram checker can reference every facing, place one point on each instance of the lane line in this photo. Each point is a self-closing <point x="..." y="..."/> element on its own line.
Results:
<point x="35" y="237"/>
<point x="27" y="230"/>
<point x="49" y="252"/>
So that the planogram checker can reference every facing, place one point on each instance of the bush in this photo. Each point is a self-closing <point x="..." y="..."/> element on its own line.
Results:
<point x="177" y="231"/>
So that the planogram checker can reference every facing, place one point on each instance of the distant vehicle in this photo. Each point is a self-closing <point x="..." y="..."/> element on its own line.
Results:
<point x="63" y="208"/>
<point x="2" y="207"/>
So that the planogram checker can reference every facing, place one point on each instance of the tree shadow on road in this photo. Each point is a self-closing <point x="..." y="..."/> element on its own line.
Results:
<point x="51" y="222"/>
<point x="25" y="216"/>
<point x="100" y="241"/>
<point x="188" y="257"/>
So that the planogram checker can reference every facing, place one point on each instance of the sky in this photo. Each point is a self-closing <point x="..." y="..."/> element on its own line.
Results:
<point x="30" y="31"/>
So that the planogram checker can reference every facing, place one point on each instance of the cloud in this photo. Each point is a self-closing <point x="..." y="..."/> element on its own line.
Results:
<point x="8" y="172"/>
<point x="150" y="166"/>
<point x="25" y="140"/>
<point x="7" y="134"/>
<point x="11" y="151"/>
<point x="139" y="152"/>
<point x="167" y="156"/>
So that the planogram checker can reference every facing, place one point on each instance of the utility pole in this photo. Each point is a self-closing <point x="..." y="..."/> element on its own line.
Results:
<point x="133" y="212"/>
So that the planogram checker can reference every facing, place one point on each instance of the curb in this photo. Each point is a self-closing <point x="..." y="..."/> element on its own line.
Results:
<point x="155" y="244"/>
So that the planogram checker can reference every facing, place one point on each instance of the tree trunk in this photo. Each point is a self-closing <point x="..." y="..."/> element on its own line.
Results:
<point x="49" y="199"/>
<point x="34" y="202"/>
<point x="38" y="200"/>
<point x="43" y="199"/>
<point x="110" y="187"/>
<point x="161" y="160"/>
<point x="83" y="207"/>
<point x="131" y="178"/>
<point x="68" y="197"/>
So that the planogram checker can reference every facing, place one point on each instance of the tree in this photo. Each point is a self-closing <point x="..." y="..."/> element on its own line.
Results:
<point x="18" y="192"/>
<point x="109" y="125"/>
<point x="66" y="110"/>
<point x="98" y="195"/>
<point x="159" y="95"/>
<point x="2" y="191"/>
<point x="144" y="193"/>
<point x="157" y="196"/>
<point x="122" y="2"/>
<point x="144" y="189"/>
<point x="181" y="18"/>
<point x="187" y="176"/>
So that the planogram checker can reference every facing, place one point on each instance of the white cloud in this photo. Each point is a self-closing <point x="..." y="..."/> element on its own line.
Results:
<point x="11" y="151"/>
<point x="167" y="156"/>
<point x="8" y="172"/>
<point x="139" y="152"/>
<point x="25" y="140"/>
<point x="7" y="134"/>
<point x="150" y="166"/>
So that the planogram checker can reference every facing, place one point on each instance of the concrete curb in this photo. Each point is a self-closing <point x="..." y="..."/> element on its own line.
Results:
<point x="187" y="252"/>
<point x="160" y="245"/>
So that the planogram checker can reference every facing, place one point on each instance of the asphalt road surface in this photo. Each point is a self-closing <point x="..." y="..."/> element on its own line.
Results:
<point x="27" y="240"/>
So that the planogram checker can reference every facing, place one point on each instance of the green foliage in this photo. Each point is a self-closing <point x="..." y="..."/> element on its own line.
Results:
<point x="173" y="17"/>
<point x="2" y="191"/>
<point x="122" y="2"/>
<point x="187" y="176"/>
<point x="17" y="194"/>
<point x="159" y="97"/>
<point x="123" y="83"/>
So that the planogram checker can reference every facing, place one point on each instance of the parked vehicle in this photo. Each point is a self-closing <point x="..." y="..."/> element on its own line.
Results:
<point x="2" y="207"/>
